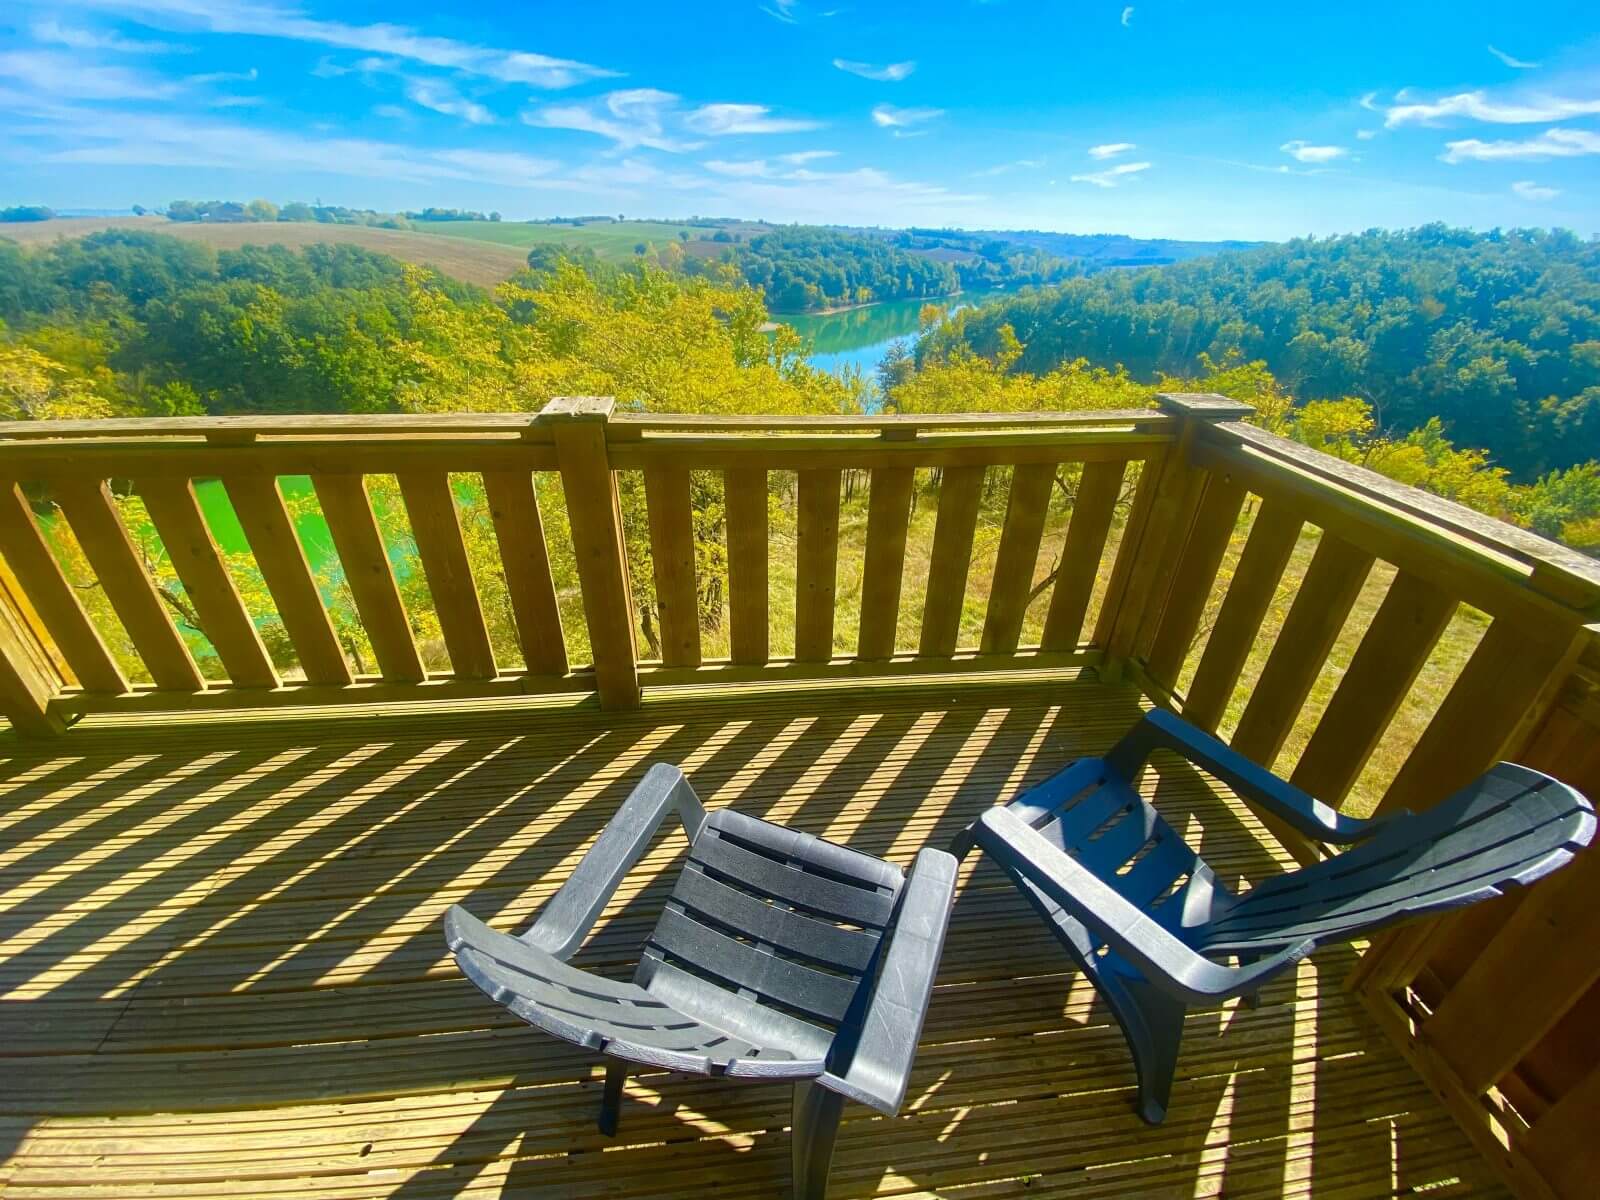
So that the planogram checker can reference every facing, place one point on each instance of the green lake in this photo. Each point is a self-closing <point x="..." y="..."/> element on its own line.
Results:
<point x="861" y="337"/>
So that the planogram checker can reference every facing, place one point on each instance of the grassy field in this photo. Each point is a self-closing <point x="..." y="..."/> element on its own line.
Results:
<point x="611" y="241"/>
<point x="481" y="262"/>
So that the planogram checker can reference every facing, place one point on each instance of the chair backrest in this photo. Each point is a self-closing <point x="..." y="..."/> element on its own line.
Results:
<point x="771" y="932"/>
<point x="1101" y="820"/>
<point x="1511" y="826"/>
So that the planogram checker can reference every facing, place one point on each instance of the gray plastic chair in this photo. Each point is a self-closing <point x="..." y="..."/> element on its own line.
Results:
<point x="1146" y="920"/>
<point x="778" y="956"/>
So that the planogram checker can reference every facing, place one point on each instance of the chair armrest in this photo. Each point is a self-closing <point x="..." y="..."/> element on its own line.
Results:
<point x="567" y="917"/>
<point x="880" y="1066"/>
<point x="1161" y="730"/>
<point x="1161" y="957"/>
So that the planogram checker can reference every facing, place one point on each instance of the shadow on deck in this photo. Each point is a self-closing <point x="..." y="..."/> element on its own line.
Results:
<point x="223" y="972"/>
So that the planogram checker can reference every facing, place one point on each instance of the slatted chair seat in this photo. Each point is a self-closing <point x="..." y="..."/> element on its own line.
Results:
<point x="1146" y="919"/>
<point x="778" y="956"/>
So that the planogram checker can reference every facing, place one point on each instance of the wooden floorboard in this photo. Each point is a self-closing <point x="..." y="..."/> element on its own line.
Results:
<point x="222" y="972"/>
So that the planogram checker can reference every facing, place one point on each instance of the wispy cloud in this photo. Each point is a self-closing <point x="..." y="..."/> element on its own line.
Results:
<point x="1529" y="190"/>
<point x="68" y="77"/>
<point x="1552" y="143"/>
<point x="1021" y="164"/>
<point x="631" y="118"/>
<point x="1303" y="151"/>
<point x="1112" y="176"/>
<point x="647" y="117"/>
<point x="1477" y="106"/>
<point x="1366" y="135"/>
<point x="213" y="77"/>
<point x="1127" y="16"/>
<point x="783" y="10"/>
<point x="1111" y="150"/>
<point x="53" y="33"/>
<point x="718" y="120"/>
<point x="1518" y="63"/>
<point x="891" y="73"/>
<point x="442" y="98"/>
<point x="398" y="41"/>
<point x="888" y="116"/>
<point x="800" y="157"/>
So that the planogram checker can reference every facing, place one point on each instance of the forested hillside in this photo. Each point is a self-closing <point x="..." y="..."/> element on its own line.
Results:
<point x="1496" y="335"/>
<point x="802" y="268"/>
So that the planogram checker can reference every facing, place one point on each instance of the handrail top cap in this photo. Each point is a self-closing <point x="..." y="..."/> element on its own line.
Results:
<point x="579" y="408"/>
<point x="1207" y="406"/>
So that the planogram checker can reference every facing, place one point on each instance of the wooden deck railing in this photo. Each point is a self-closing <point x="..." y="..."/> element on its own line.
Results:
<point x="1242" y="632"/>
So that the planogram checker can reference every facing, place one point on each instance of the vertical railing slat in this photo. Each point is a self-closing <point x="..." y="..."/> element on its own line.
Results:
<point x="1255" y="581"/>
<point x="746" y="492"/>
<point x="29" y="676"/>
<point x="176" y="513"/>
<point x="816" y="564"/>
<point x="672" y="553"/>
<point x="1209" y="535"/>
<point x="1562" y="1142"/>
<point x="525" y="558"/>
<point x="259" y="506"/>
<point x="1133" y="534"/>
<point x="1090" y="526"/>
<point x="1322" y="602"/>
<point x="1504" y="687"/>
<point x="39" y="575"/>
<point x="111" y="553"/>
<point x="435" y="523"/>
<point x="960" y="491"/>
<point x="1026" y="509"/>
<point x="1407" y="626"/>
<point x="359" y="542"/>
<point x="888" y="518"/>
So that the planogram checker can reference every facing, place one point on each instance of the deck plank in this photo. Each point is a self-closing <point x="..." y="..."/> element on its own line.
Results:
<point x="221" y="971"/>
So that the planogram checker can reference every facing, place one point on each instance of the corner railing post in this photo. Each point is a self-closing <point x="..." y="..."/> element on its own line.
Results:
<point x="578" y="426"/>
<point x="1162" y="536"/>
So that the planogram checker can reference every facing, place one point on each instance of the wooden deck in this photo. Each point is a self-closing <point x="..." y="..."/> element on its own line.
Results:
<point x="223" y="972"/>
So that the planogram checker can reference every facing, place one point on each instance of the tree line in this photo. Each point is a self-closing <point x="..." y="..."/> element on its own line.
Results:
<point x="1497" y="335"/>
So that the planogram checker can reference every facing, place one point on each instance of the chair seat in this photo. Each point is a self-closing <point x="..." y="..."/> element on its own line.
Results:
<point x="617" y="1018"/>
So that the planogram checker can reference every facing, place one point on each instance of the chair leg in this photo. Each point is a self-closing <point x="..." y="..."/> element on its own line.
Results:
<point x="815" y="1127"/>
<point x="611" y="1099"/>
<point x="1153" y="1024"/>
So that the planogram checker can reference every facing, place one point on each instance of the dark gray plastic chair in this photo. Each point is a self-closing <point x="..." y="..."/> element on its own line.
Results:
<point x="778" y="956"/>
<point x="1146" y="920"/>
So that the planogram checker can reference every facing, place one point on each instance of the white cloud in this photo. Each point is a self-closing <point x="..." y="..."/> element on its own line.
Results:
<point x="1529" y="190"/>
<point x="1112" y="176"/>
<point x="1478" y="106"/>
<point x="631" y="118"/>
<point x="442" y="98"/>
<point x="800" y="157"/>
<point x="783" y="10"/>
<point x="718" y="120"/>
<point x="1021" y="164"/>
<point x="1127" y="15"/>
<point x="1366" y="135"/>
<point x="54" y="33"/>
<point x="1303" y="151"/>
<point x="1518" y="63"/>
<point x="249" y="76"/>
<point x="892" y="73"/>
<point x="391" y="112"/>
<point x="754" y="168"/>
<point x="398" y="41"/>
<point x="887" y="116"/>
<point x="1111" y="150"/>
<point x="1552" y="143"/>
<point x="68" y="77"/>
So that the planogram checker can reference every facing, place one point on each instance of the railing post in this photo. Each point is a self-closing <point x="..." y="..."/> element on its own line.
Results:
<point x="1159" y="540"/>
<point x="578" y="425"/>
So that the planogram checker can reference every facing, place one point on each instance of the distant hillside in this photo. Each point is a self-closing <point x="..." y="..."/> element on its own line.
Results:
<point x="1115" y="249"/>
<point x="483" y="263"/>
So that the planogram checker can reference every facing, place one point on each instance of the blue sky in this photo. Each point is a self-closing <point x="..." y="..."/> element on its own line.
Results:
<point x="1169" y="118"/>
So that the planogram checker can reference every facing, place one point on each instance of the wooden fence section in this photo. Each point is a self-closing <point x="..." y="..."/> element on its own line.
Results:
<point x="1497" y="1008"/>
<point x="56" y="665"/>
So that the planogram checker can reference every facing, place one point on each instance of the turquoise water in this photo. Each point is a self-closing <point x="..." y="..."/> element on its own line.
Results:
<point x="861" y="337"/>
